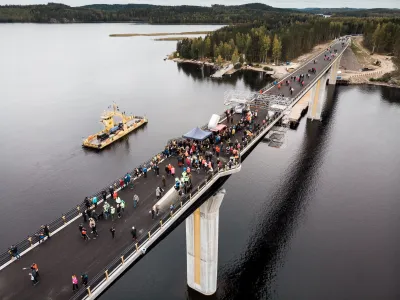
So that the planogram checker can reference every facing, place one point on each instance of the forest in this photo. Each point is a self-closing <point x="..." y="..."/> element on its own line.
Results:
<point x="289" y="37"/>
<point x="154" y="14"/>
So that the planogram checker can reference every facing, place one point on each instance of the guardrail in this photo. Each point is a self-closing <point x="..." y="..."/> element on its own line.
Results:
<point x="56" y="225"/>
<point x="271" y="84"/>
<point x="166" y="219"/>
<point x="71" y="215"/>
<point x="139" y="246"/>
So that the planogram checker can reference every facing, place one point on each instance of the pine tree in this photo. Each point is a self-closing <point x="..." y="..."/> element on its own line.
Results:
<point x="235" y="57"/>
<point x="219" y="60"/>
<point x="276" y="49"/>
<point x="375" y="37"/>
<point x="207" y="47"/>
<point x="265" y="46"/>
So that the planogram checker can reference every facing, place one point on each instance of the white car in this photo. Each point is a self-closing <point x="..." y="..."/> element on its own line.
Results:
<point x="239" y="108"/>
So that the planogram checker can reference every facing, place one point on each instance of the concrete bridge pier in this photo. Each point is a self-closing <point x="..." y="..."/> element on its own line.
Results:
<point x="334" y="70"/>
<point x="317" y="97"/>
<point x="202" y="245"/>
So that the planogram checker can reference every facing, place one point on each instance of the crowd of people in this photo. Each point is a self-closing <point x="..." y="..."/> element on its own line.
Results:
<point x="193" y="158"/>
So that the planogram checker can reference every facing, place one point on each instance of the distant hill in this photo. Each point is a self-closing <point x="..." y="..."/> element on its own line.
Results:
<point x="353" y="12"/>
<point x="117" y="6"/>
<point x="156" y="14"/>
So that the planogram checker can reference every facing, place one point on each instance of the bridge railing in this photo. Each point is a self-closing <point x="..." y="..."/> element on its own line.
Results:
<point x="323" y="71"/>
<point x="140" y="244"/>
<point x="57" y="224"/>
<point x="167" y="217"/>
<point x="33" y="239"/>
<point x="73" y="213"/>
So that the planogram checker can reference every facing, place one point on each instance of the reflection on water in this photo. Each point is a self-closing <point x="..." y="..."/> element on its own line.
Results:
<point x="389" y="94"/>
<point x="251" y="279"/>
<point x="251" y="79"/>
<point x="265" y="254"/>
<point x="336" y="182"/>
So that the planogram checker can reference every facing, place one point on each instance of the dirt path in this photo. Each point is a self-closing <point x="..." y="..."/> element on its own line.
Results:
<point x="361" y="57"/>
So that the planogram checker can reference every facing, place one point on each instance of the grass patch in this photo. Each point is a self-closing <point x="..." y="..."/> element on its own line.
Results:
<point x="363" y="58"/>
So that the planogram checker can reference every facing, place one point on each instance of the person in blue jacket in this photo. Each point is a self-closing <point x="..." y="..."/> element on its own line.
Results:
<point x="144" y="171"/>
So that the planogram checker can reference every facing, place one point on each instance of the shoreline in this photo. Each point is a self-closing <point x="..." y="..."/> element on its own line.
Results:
<point x="159" y="33"/>
<point x="281" y="71"/>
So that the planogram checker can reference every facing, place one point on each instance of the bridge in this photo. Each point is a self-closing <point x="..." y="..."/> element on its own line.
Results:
<point x="105" y="259"/>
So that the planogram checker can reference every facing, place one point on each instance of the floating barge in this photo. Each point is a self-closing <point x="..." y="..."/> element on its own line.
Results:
<point x="116" y="125"/>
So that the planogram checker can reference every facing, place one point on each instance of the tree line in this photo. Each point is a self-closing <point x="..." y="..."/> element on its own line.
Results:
<point x="288" y="38"/>
<point x="155" y="14"/>
<point x="383" y="36"/>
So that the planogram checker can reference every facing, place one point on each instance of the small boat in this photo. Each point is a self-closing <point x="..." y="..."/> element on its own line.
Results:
<point x="116" y="125"/>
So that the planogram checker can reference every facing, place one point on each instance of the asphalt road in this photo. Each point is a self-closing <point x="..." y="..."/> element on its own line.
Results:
<point x="66" y="253"/>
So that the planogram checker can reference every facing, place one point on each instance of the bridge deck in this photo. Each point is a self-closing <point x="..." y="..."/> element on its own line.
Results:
<point x="66" y="253"/>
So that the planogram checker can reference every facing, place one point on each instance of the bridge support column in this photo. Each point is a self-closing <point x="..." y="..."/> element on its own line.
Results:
<point x="334" y="70"/>
<point x="317" y="98"/>
<point x="202" y="245"/>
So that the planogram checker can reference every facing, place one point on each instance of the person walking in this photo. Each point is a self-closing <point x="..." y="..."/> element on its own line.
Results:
<point x="104" y="195"/>
<point x="172" y="171"/>
<point x="34" y="267"/>
<point x="33" y="278"/>
<point x="119" y="211"/>
<point x="85" y="215"/>
<point x="13" y="250"/>
<point x="152" y="212"/>
<point x="145" y="172"/>
<point x="94" y="202"/>
<point x="164" y="183"/>
<point x="92" y="225"/>
<point x="40" y="235"/>
<point x="157" y="209"/>
<point x="74" y="283"/>
<point x="46" y="230"/>
<point x="111" y="190"/>
<point x="157" y="169"/>
<point x="87" y="203"/>
<point x="127" y="179"/>
<point x="135" y="200"/>
<point x="80" y="227"/>
<point x="85" y="279"/>
<point x="133" y="233"/>
<point x="159" y="192"/>
<point x="106" y="209"/>
<point x="84" y="234"/>
<point x="122" y="206"/>
<point x="167" y="170"/>
<point x="112" y="210"/>
<point x="112" y="230"/>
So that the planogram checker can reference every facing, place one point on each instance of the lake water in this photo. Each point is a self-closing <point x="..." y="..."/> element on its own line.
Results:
<point x="317" y="219"/>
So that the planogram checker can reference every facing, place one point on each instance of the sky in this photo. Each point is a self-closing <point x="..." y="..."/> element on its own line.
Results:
<point x="281" y="3"/>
